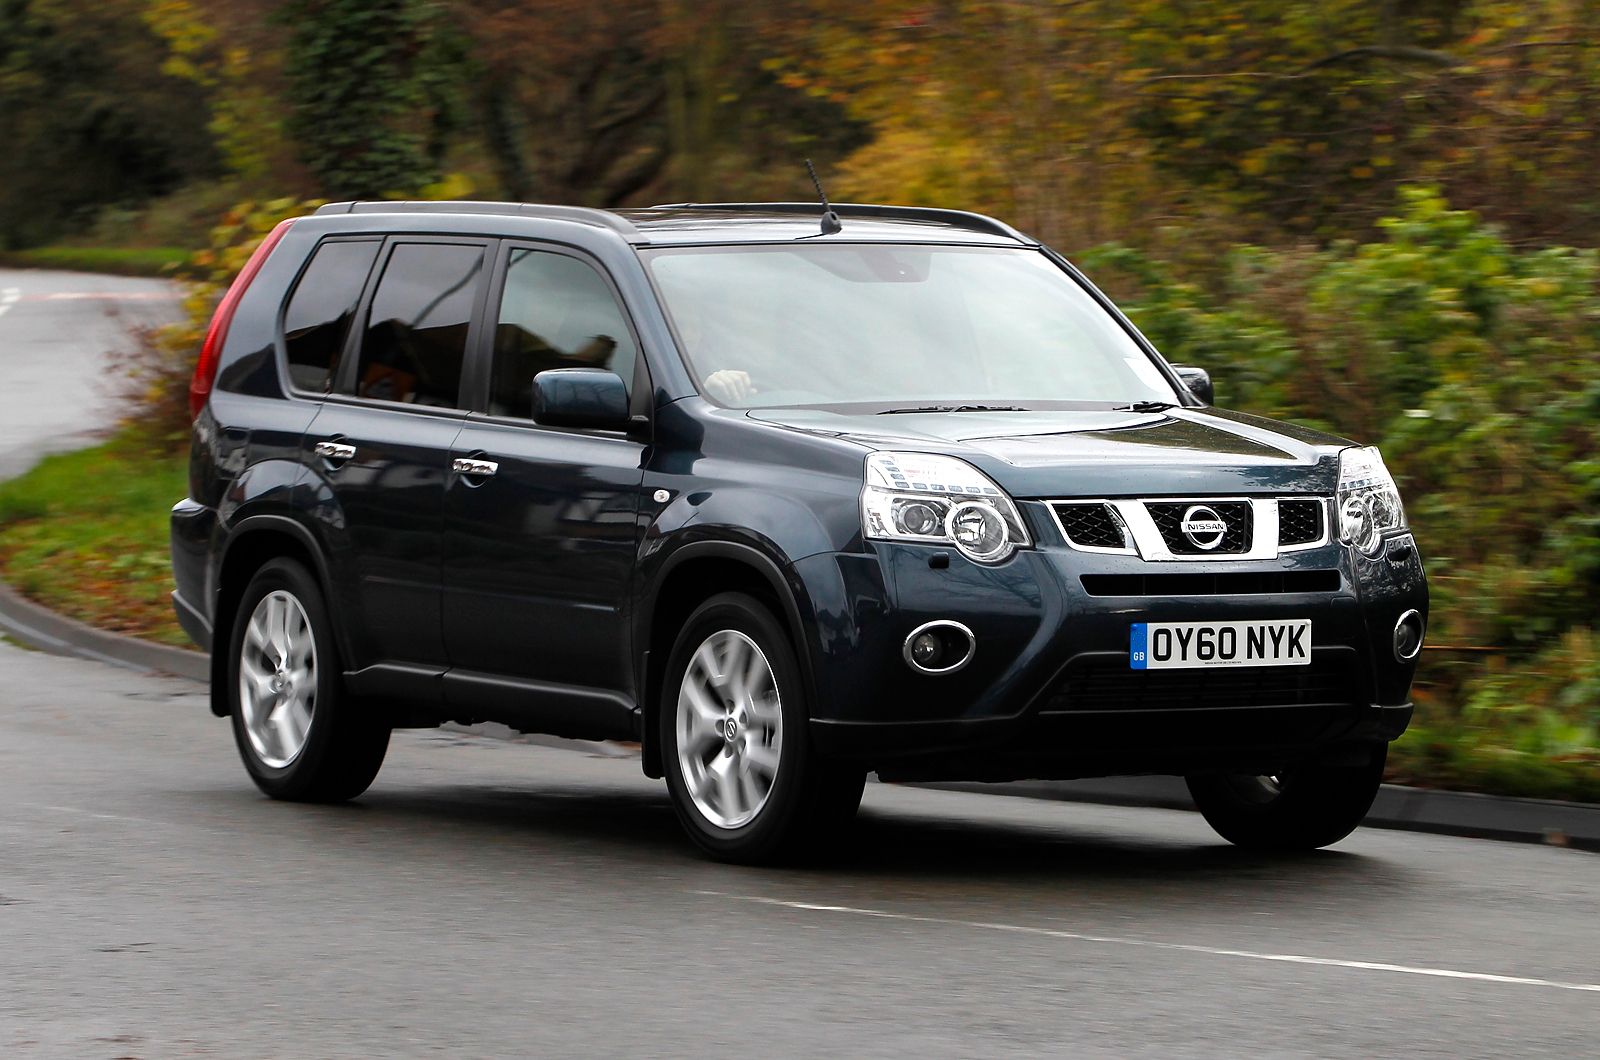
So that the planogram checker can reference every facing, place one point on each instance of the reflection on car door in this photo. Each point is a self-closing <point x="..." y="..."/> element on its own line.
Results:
<point x="539" y="554"/>
<point x="384" y="448"/>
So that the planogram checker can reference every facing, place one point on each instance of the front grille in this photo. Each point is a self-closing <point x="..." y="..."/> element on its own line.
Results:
<point x="1091" y="525"/>
<point x="1239" y="516"/>
<point x="1243" y="583"/>
<point x="1108" y="684"/>
<point x="1300" y="522"/>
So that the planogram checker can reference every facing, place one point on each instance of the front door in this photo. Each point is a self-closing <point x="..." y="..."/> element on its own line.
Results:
<point x="383" y="446"/>
<point x="540" y="526"/>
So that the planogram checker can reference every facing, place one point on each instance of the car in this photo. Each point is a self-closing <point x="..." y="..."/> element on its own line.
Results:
<point x="788" y="497"/>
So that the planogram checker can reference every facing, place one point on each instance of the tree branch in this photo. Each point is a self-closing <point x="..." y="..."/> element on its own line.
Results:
<point x="1386" y="51"/>
<point x="1377" y="51"/>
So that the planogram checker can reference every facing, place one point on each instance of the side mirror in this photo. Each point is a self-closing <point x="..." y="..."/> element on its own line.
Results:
<point x="1198" y="380"/>
<point x="580" y="397"/>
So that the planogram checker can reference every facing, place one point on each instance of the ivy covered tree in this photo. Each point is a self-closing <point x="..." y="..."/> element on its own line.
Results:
<point x="358" y="86"/>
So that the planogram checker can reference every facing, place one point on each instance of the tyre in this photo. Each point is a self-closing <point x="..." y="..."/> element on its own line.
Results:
<point x="301" y="737"/>
<point x="1301" y="809"/>
<point x="744" y="778"/>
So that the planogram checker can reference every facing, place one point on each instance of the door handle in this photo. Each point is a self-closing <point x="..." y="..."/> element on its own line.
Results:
<point x="485" y="468"/>
<point x="334" y="451"/>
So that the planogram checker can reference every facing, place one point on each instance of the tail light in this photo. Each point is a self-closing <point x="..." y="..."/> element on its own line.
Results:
<point x="205" y="370"/>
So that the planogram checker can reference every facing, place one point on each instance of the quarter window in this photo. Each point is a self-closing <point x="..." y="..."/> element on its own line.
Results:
<point x="416" y="338"/>
<point x="556" y="312"/>
<point x="318" y="317"/>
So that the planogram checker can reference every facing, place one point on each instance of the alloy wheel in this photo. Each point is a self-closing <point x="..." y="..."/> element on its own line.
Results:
<point x="729" y="729"/>
<point x="278" y="678"/>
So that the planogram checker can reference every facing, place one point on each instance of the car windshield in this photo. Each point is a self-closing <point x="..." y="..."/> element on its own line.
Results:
<point x="897" y="328"/>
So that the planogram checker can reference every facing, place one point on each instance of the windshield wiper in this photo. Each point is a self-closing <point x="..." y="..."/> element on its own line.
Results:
<point x="956" y="408"/>
<point x="1145" y="406"/>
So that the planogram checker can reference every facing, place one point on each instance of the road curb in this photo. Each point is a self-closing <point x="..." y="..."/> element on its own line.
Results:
<point x="41" y="628"/>
<point x="1408" y="809"/>
<point x="1460" y="813"/>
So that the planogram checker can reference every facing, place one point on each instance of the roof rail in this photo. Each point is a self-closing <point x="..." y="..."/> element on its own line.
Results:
<point x="972" y="222"/>
<point x="580" y="214"/>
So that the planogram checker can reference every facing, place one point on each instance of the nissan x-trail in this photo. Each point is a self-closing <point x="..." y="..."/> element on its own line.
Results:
<point x="786" y="503"/>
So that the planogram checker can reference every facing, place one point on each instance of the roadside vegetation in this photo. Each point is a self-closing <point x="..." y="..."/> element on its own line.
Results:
<point x="85" y="534"/>
<point x="1373" y="218"/>
<point x="1475" y="366"/>
<point x="121" y="261"/>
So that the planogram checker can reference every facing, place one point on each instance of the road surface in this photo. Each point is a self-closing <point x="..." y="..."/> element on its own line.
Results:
<point x="57" y="330"/>
<point x="495" y="899"/>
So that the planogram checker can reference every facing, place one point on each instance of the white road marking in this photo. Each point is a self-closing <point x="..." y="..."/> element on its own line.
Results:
<point x="8" y="298"/>
<point x="1111" y="940"/>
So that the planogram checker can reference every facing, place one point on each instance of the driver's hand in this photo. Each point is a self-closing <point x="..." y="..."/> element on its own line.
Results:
<point x="729" y="386"/>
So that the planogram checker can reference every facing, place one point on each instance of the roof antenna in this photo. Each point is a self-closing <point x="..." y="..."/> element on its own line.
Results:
<point x="830" y="220"/>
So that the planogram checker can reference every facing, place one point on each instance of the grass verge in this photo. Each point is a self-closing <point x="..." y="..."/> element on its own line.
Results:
<point x="85" y="534"/>
<point x="1459" y="758"/>
<point x="159" y="261"/>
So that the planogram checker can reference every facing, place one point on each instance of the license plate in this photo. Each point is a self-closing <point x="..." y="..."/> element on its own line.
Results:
<point x="1193" y="645"/>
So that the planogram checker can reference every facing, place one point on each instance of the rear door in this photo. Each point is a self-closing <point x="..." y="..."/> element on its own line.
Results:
<point x="539" y="554"/>
<point x="382" y="443"/>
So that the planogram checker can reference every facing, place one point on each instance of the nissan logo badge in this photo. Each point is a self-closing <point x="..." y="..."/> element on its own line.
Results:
<point x="1203" y="527"/>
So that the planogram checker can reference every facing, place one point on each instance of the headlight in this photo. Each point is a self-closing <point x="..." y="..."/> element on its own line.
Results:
<point x="1368" y="502"/>
<point x="939" y="500"/>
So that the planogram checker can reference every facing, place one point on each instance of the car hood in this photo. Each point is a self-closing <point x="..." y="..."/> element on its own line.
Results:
<point x="1057" y="454"/>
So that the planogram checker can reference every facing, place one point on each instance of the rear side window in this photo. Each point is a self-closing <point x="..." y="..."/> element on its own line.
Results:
<point x="416" y="337"/>
<point x="556" y="312"/>
<point x="318" y="318"/>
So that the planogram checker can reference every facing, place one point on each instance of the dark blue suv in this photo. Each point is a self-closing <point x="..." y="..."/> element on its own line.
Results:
<point x="787" y="503"/>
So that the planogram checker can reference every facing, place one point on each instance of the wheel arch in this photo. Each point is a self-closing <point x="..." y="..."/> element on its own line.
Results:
<point x="689" y="576"/>
<point x="251" y="543"/>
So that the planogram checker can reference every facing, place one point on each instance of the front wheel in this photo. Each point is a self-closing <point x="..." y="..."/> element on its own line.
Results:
<point x="1299" y="809"/>
<point x="746" y="783"/>
<point x="301" y="736"/>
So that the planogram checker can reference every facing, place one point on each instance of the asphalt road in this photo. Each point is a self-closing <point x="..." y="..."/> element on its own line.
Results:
<point x="494" y="899"/>
<point x="57" y="332"/>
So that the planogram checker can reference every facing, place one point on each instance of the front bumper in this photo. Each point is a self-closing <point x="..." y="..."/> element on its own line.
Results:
<point x="1049" y="693"/>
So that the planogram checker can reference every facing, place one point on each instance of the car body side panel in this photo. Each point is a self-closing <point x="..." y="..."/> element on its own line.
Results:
<point x="390" y="503"/>
<point x="720" y="469"/>
<point x="539" y="557"/>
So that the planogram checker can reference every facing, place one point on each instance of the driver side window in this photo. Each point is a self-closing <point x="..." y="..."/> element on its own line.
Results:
<point x="555" y="312"/>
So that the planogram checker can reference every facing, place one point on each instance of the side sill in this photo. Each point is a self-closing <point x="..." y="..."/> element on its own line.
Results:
<point x="398" y="681"/>
<point x="526" y="705"/>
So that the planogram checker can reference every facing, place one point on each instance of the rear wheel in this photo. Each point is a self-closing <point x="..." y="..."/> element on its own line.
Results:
<point x="1300" y="809"/>
<point x="301" y="737"/>
<point x="745" y="780"/>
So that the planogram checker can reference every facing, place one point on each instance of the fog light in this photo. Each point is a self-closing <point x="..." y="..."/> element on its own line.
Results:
<point x="1408" y="636"/>
<point x="941" y="647"/>
<point x="926" y="651"/>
